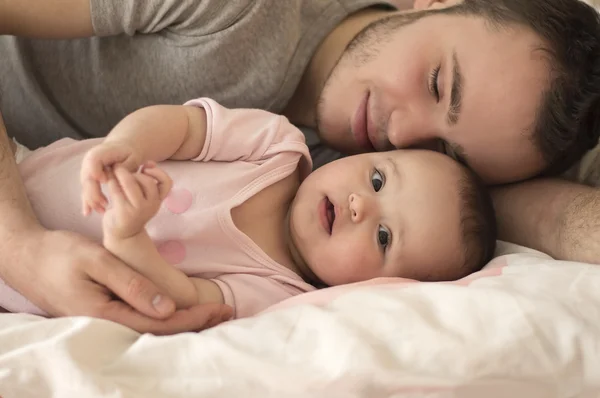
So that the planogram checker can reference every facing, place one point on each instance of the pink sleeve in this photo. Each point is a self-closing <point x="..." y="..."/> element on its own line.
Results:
<point x="250" y="294"/>
<point x="250" y="135"/>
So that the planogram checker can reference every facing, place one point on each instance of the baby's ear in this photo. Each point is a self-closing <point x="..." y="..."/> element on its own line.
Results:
<point x="434" y="4"/>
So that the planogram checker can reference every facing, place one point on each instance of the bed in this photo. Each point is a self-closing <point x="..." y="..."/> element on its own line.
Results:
<point x="525" y="326"/>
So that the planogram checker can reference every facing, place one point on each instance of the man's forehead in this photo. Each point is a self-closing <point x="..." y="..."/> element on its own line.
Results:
<point x="509" y="72"/>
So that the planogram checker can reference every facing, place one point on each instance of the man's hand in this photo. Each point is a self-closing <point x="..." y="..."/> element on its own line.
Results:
<point x="66" y="274"/>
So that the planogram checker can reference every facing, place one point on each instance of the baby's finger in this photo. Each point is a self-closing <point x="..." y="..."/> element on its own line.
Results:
<point x="93" y="168"/>
<point x="86" y="209"/>
<point x="149" y="186"/>
<point x="149" y="164"/>
<point x="117" y="196"/>
<point x="130" y="186"/>
<point x="165" y="182"/>
<point x="92" y="197"/>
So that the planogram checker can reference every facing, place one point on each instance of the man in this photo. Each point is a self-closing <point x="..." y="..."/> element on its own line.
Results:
<point x="506" y="86"/>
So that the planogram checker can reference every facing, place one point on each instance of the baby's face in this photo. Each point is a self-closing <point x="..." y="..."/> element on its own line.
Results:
<point x="387" y="214"/>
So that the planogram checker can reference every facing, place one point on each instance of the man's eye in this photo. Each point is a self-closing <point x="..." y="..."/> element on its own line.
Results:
<point x="433" y="83"/>
<point x="377" y="180"/>
<point x="383" y="237"/>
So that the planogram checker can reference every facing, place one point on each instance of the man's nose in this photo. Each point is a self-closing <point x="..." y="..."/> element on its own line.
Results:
<point x="412" y="130"/>
<point x="360" y="207"/>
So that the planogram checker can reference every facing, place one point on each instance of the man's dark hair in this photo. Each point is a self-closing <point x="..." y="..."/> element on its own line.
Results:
<point x="478" y="223"/>
<point x="568" y="119"/>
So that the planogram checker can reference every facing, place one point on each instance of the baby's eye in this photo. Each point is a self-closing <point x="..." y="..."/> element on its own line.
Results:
<point x="383" y="237"/>
<point x="377" y="180"/>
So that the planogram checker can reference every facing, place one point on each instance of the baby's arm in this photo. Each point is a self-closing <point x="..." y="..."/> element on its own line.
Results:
<point x="141" y="254"/>
<point x="136" y="197"/>
<point x="154" y="133"/>
<point x="163" y="132"/>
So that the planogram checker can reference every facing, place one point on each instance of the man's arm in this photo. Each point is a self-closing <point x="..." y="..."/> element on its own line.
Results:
<point x="557" y="217"/>
<point x="51" y="19"/>
<point x="15" y="211"/>
<point x="66" y="274"/>
<point x="21" y="236"/>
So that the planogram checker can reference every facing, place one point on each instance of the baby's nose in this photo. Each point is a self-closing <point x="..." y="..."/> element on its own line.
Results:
<point x="359" y="207"/>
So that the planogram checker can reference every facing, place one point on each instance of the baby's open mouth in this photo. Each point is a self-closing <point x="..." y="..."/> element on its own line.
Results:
<point x="330" y="214"/>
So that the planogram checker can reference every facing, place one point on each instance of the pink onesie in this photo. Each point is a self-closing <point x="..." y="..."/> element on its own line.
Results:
<point x="245" y="152"/>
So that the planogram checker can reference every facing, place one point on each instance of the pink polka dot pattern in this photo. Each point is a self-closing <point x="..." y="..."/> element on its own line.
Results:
<point x="179" y="200"/>
<point x="172" y="251"/>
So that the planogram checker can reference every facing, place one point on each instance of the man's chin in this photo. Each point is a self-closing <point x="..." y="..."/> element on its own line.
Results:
<point x="335" y="137"/>
<point x="340" y="143"/>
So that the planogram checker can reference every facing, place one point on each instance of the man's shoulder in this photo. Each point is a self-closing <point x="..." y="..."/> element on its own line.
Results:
<point x="151" y="16"/>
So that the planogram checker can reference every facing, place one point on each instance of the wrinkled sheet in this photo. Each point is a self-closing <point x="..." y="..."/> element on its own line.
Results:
<point x="525" y="326"/>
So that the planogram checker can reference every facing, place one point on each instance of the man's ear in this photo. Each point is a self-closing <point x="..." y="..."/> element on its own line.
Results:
<point x="434" y="4"/>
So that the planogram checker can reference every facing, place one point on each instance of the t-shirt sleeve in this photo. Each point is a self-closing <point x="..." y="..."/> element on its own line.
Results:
<point x="250" y="294"/>
<point x="194" y="17"/>
<point x="249" y="135"/>
<point x="587" y="170"/>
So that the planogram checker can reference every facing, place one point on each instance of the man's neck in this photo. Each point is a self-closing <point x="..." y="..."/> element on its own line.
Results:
<point x="301" y="110"/>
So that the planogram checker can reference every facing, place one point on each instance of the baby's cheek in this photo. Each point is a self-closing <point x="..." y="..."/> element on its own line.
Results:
<point x="352" y="263"/>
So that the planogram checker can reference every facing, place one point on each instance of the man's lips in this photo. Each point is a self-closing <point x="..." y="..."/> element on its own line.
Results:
<point x="360" y="125"/>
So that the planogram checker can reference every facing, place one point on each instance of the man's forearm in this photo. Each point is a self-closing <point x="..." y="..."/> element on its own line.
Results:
<point x="554" y="216"/>
<point x="15" y="211"/>
<point x="51" y="19"/>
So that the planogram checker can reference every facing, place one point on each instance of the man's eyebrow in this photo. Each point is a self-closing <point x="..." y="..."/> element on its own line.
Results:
<point x="456" y="92"/>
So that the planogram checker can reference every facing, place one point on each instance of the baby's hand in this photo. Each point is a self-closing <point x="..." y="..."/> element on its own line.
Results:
<point x="135" y="199"/>
<point x="94" y="172"/>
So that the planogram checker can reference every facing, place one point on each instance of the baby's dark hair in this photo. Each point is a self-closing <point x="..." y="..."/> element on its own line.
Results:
<point x="478" y="222"/>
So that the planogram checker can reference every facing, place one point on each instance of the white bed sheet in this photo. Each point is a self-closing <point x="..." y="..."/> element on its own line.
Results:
<point x="526" y="326"/>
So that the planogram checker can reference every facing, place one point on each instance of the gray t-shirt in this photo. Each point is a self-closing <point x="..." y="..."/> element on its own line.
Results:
<point x="242" y="53"/>
<point x="587" y="171"/>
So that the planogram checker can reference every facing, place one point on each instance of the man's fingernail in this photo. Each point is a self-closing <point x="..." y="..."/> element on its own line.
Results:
<point x="161" y="305"/>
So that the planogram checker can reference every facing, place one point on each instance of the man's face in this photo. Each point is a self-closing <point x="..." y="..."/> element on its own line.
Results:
<point x="445" y="82"/>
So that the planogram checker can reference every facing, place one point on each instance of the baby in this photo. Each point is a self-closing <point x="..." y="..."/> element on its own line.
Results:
<point x="219" y="205"/>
